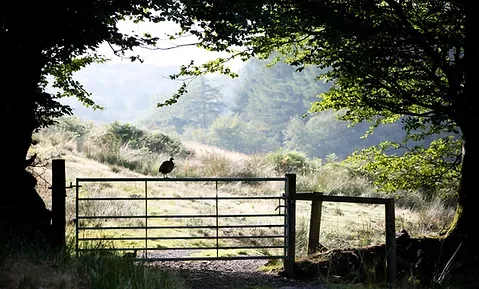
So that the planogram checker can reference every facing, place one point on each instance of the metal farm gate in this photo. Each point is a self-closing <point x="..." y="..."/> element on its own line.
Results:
<point x="89" y="223"/>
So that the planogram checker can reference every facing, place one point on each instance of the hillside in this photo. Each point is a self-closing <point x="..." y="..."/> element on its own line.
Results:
<point x="260" y="111"/>
<point x="88" y="153"/>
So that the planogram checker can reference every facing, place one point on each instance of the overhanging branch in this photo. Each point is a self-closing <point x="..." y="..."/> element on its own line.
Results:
<point x="427" y="48"/>
<point x="171" y="47"/>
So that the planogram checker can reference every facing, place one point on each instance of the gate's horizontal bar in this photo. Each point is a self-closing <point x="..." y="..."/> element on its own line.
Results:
<point x="180" y="238"/>
<point x="183" y="248"/>
<point x="269" y="257"/>
<point x="209" y="258"/>
<point x="181" y="227"/>
<point x="181" y="198"/>
<point x="179" y="179"/>
<point x="180" y="216"/>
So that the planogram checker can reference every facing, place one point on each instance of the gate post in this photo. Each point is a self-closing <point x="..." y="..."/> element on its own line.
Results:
<point x="58" y="203"/>
<point x="391" y="241"/>
<point x="290" y="224"/>
<point x="315" y="224"/>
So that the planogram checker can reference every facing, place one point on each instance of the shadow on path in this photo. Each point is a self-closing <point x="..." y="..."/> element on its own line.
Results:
<point x="217" y="277"/>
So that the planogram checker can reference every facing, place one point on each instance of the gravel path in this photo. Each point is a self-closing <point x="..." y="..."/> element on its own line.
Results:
<point x="231" y="274"/>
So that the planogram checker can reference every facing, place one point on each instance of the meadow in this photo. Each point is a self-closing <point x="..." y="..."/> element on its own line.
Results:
<point x="125" y="151"/>
<point x="116" y="150"/>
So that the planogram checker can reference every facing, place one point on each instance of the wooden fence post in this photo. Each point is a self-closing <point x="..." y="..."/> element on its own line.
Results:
<point x="391" y="241"/>
<point x="315" y="224"/>
<point x="58" y="203"/>
<point x="290" y="224"/>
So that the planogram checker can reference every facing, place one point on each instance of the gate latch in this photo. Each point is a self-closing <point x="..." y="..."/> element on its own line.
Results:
<point x="278" y="207"/>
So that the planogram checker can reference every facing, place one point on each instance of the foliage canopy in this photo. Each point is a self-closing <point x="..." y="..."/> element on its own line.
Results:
<point x="413" y="61"/>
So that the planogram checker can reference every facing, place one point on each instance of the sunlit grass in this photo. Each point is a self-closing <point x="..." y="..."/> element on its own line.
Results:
<point x="342" y="225"/>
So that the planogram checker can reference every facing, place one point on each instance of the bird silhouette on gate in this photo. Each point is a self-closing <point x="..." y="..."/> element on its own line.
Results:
<point x="166" y="167"/>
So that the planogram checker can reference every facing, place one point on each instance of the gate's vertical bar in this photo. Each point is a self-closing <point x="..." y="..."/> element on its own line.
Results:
<point x="217" y="240"/>
<point x="58" y="203"/>
<point x="146" y="219"/>
<point x="391" y="241"/>
<point x="77" y="187"/>
<point x="291" y="224"/>
<point x="279" y="204"/>
<point x="285" y="222"/>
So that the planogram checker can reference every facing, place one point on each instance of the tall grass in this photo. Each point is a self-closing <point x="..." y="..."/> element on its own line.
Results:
<point x="33" y="268"/>
<point x="125" y="148"/>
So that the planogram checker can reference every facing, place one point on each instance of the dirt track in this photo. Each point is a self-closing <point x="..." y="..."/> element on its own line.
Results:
<point x="232" y="274"/>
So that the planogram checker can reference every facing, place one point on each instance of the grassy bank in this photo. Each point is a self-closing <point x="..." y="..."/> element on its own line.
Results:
<point x="31" y="268"/>
<point x="117" y="150"/>
<point x="124" y="151"/>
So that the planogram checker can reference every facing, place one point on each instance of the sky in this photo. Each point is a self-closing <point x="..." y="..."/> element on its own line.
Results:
<point x="160" y="58"/>
<point x="172" y="57"/>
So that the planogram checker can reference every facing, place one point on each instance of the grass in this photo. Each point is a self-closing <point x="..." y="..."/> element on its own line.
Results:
<point x="91" y="270"/>
<point x="343" y="225"/>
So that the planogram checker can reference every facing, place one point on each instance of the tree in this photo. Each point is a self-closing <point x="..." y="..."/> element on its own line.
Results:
<point x="271" y="97"/>
<point x="206" y="99"/>
<point x="231" y="133"/>
<point x="412" y="59"/>
<point x="321" y="135"/>
<point x="433" y="171"/>
<point x="52" y="39"/>
<point x="199" y="107"/>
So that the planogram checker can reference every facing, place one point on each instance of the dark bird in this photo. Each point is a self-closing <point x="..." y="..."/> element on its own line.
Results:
<point x="166" y="167"/>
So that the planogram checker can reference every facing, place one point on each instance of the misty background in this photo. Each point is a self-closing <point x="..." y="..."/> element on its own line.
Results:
<point x="262" y="110"/>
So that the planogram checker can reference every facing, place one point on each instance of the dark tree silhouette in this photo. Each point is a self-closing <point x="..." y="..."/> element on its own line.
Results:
<point x="43" y="39"/>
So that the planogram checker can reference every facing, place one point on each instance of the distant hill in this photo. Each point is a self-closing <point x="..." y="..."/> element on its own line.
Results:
<point x="124" y="89"/>
<point x="128" y="90"/>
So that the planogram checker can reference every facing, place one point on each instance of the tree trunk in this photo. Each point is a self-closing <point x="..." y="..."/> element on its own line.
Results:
<point x="465" y="222"/>
<point x="23" y="215"/>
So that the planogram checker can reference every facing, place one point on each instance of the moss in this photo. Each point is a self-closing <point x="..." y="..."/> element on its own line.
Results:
<point x="457" y="216"/>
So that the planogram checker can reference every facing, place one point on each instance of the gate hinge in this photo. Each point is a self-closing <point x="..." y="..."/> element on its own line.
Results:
<point x="73" y="186"/>
<point x="68" y="187"/>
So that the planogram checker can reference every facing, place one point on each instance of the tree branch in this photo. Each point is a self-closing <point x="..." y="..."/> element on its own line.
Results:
<point x="169" y="48"/>
<point x="435" y="57"/>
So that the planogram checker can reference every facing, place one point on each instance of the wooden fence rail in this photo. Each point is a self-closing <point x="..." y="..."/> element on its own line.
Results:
<point x="318" y="198"/>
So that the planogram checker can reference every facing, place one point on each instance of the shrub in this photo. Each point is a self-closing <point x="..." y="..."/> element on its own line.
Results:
<point x="74" y="125"/>
<point x="136" y="138"/>
<point x="162" y="143"/>
<point x="130" y="147"/>
<point x="103" y="146"/>
<point x="127" y="134"/>
<point x="285" y="162"/>
<point x="335" y="178"/>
